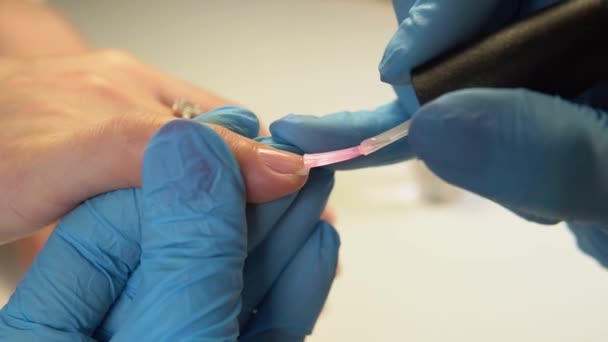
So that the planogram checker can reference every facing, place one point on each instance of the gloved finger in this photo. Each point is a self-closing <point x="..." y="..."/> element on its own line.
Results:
<point x="120" y="311"/>
<point x="528" y="151"/>
<point x="261" y="220"/>
<point x="79" y="273"/>
<point x="265" y="263"/>
<point x="593" y="240"/>
<point x="345" y="129"/>
<point x="193" y="238"/>
<point x="263" y="217"/>
<point x="429" y="28"/>
<point x="239" y="120"/>
<point x="292" y="306"/>
<point x="527" y="215"/>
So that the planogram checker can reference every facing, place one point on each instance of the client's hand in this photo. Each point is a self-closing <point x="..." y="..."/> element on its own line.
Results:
<point x="76" y="126"/>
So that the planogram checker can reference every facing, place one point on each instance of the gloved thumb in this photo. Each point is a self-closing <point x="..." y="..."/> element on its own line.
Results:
<point x="538" y="155"/>
<point x="193" y="238"/>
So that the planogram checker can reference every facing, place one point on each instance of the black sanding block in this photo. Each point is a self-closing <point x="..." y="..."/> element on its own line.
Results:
<point x="560" y="50"/>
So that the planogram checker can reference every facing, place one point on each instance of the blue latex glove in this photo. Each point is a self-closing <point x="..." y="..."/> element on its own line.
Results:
<point x="312" y="255"/>
<point x="289" y="270"/>
<point x="292" y="254"/>
<point x="427" y="28"/>
<point x="185" y="231"/>
<point x="542" y="157"/>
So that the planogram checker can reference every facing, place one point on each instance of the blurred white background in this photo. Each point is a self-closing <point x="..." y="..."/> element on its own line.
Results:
<point x="463" y="271"/>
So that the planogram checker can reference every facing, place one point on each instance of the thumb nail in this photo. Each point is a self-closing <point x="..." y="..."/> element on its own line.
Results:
<point x="283" y="162"/>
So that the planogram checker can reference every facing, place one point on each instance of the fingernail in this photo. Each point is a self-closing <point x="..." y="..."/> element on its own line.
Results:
<point x="283" y="162"/>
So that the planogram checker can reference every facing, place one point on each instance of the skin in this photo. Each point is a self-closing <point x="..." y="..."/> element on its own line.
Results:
<point x="75" y="122"/>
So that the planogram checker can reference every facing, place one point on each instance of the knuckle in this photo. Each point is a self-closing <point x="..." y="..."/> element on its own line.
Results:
<point x="116" y="58"/>
<point x="90" y="80"/>
<point x="98" y="85"/>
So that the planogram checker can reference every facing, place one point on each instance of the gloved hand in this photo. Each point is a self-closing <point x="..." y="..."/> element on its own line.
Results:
<point x="292" y="253"/>
<point x="180" y="242"/>
<point x="540" y="156"/>
<point x="291" y="263"/>
<point x="427" y="28"/>
<point x="185" y="231"/>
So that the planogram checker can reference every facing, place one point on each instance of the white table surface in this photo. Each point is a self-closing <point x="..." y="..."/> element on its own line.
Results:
<point x="465" y="271"/>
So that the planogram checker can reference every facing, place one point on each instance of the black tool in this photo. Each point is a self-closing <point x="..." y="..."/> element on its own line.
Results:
<point x="560" y="50"/>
